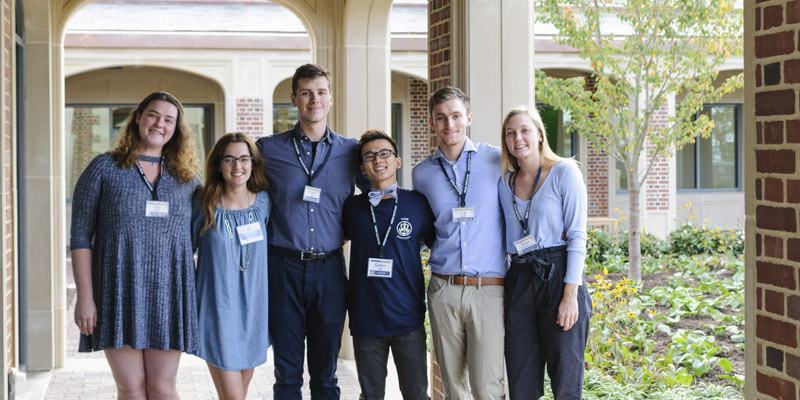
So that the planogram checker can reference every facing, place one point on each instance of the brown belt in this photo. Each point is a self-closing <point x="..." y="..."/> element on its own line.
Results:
<point x="470" y="280"/>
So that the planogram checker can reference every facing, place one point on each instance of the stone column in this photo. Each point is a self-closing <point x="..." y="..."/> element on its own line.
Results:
<point x="351" y="39"/>
<point x="45" y="187"/>
<point x="491" y="53"/>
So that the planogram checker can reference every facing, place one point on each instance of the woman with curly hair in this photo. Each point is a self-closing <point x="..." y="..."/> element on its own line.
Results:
<point x="132" y="251"/>
<point x="229" y="230"/>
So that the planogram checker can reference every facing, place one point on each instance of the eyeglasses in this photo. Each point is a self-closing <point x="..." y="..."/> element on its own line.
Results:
<point x="230" y="160"/>
<point x="371" y="155"/>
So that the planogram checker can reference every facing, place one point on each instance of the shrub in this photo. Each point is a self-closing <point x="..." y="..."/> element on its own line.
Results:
<point x="602" y="247"/>
<point x="690" y="240"/>
<point x="599" y="245"/>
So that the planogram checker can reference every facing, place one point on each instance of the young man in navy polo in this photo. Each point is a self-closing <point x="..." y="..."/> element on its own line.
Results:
<point x="386" y="297"/>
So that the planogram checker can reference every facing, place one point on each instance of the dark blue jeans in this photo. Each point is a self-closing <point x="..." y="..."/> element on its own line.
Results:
<point x="307" y="299"/>
<point x="533" y="337"/>
<point x="410" y="359"/>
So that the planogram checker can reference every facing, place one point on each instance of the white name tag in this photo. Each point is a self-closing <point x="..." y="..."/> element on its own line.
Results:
<point x="250" y="233"/>
<point x="312" y="194"/>
<point x="463" y="214"/>
<point x="379" y="268"/>
<point x="157" y="209"/>
<point x="525" y="244"/>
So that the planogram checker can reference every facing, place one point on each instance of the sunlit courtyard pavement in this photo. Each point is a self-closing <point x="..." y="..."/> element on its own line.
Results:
<point x="87" y="376"/>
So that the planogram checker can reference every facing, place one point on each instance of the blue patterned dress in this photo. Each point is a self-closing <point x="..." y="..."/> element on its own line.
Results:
<point x="232" y="304"/>
<point x="142" y="267"/>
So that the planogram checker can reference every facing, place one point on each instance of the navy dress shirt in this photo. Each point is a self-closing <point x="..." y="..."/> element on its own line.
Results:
<point x="301" y="225"/>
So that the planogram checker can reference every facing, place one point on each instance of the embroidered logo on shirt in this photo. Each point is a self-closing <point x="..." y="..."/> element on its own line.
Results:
<point x="404" y="229"/>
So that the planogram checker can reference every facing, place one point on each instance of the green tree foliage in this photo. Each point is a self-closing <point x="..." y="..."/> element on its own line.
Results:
<point x="642" y="53"/>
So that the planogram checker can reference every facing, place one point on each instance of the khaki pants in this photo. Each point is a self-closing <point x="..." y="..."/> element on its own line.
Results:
<point x="468" y="334"/>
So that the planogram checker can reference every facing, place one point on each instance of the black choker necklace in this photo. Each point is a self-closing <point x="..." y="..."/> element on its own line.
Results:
<point x="151" y="159"/>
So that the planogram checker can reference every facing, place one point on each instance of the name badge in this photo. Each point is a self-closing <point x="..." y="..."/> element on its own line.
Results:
<point x="525" y="245"/>
<point x="250" y="233"/>
<point x="463" y="214"/>
<point x="379" y="268"/>
<point x="312" y="194"/>
<point x="157" y="209"/>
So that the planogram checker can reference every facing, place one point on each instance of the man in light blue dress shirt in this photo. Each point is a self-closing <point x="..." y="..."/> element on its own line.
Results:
<point x="465" y="294"/>
<point x="312" y="171"/>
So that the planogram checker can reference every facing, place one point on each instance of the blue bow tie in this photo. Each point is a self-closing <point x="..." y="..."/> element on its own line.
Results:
<point x="375" y="196"/>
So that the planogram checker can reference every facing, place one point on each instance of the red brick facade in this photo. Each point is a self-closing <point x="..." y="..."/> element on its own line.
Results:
<point x="439" y="43"/>
<point x="596" y="172"/>
<point x="439" y="75"/>
<point x="6" y="177"/>
<point x="777" y="198"/>
<point x="419" y="128"/>
<point x="657" y="184"/>
<point x="250" y="117"/>
<point x="596" y="182"/>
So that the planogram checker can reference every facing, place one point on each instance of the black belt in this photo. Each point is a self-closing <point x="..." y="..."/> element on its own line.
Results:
<point x="305" y="255"/>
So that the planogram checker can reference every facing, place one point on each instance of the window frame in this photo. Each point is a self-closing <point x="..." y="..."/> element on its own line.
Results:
<point x="738" y="158"/>
<point x="574" y="135"/>
<point x="208" y="119"/>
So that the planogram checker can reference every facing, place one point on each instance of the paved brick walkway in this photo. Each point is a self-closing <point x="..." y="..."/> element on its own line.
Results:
<point x="87" y="376"/>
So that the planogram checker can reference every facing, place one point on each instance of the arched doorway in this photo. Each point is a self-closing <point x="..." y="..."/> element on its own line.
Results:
<point x="349" y="38"/>
<point x="99" y="102"/>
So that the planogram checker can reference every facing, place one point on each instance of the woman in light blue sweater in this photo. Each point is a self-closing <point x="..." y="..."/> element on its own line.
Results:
<point x="547" y="306"/>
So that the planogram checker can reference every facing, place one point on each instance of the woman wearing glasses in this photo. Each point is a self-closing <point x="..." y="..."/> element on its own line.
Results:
<point x="229" y="231"/>
<point x="131" y="252"/>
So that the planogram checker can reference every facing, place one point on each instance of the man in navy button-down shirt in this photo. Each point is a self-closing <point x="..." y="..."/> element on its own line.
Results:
<point x="465" y="294"/>
<point x="312" y="171"/>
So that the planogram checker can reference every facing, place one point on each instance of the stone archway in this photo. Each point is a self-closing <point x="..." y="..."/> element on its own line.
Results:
<point x="349" y="37"/>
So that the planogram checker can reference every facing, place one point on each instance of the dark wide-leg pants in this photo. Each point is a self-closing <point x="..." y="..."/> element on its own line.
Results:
<point x="534" y="287"/>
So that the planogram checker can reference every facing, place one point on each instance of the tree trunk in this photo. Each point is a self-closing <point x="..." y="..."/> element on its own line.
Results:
<point x="634" y="243"/>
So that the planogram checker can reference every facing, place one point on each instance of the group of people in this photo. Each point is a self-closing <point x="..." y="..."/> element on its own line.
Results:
<point x="506" y="228"/>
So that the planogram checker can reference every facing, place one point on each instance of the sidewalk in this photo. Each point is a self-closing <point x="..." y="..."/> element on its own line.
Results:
<point x="87" y="376"/>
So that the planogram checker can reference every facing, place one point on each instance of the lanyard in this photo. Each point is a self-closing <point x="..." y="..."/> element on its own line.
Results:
<point x="524" y="222"/>
<point x="303" y="164"/>
<point x="153" y="189"/>
<point x="389" y="229"/>
<point x="230" y="232"/>
<point x="461" y="195"/>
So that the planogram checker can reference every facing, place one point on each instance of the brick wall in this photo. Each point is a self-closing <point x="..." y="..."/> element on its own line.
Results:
<point x="439" y="48"/>
<point x="777" y="197"/>
<point x="439" y="43"/>
<point x="596" y="171"/>
<point x="419" y="132"/>
<point x="250" y="117"/>
<point x="439" y="75"/>
<point x="6" y="181"/>
<point x="657" y="184"/>
<point x="83" y="123"/>
<point x="596" y="181"/>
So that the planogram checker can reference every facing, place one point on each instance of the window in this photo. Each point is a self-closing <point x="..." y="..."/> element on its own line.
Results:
<point x="713" y="162"/>
<point x="621" y="177"/>
<point x="91" y="130"/>
<point x="565" y="145"/>
<point x="284" y="116"/>
<point x="397" y="132"/>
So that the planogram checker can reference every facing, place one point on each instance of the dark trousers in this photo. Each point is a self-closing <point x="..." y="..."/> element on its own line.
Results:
<point x="534" y="287"/>
<point x="409" y="353"/>
<point x="306" y="299"/>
